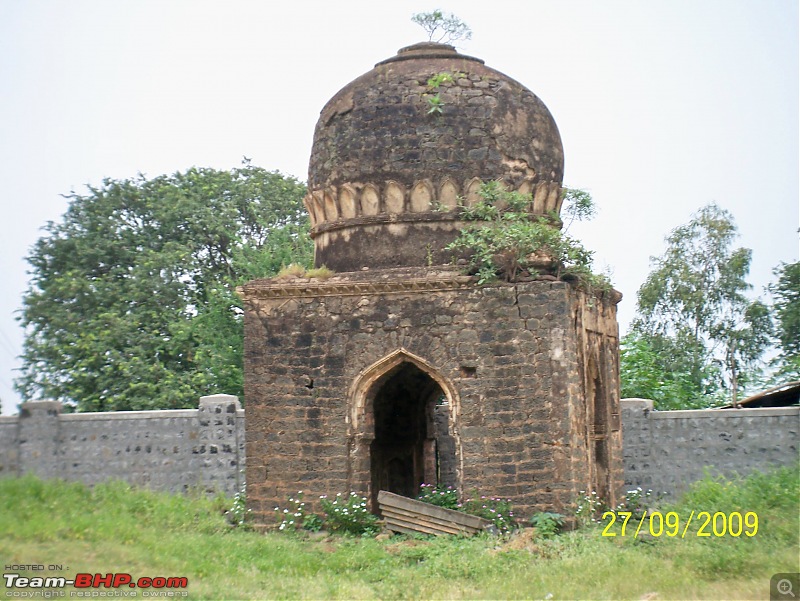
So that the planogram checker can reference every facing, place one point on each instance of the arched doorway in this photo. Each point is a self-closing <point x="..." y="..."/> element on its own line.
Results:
<point x="403" y="417"/>
<point x="412" y="443"/>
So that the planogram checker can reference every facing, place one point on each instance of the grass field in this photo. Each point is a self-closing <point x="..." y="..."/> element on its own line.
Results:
<point x="113" y="528"/>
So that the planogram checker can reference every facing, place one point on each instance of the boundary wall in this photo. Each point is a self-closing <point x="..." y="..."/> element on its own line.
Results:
<point x="186" y="449"/>
<point x="667" y="450"/>
<point x="172" y="450"/>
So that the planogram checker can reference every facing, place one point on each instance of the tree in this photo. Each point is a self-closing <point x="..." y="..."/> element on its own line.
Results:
<point x="441" y="27"/>
<point x="652" y="368"/>
<point x="693" y="303"/>
<point x="786" y="294"/>
<point x="131" y="304"/>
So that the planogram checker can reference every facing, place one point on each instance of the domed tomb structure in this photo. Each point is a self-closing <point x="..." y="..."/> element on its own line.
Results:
<point x="398" y="369"/>
<point x="398" y="150"/>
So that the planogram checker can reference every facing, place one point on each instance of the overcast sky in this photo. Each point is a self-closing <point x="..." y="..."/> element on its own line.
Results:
<point x="663" y="106"/>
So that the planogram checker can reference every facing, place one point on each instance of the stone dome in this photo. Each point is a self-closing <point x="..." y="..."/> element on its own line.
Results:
<point x="395" y="154"/>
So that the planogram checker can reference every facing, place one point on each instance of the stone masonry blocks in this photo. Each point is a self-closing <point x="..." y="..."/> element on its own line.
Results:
<point x="667" y="450"/>
<point x="172" y="450"/>
<point x="519" y="408"/>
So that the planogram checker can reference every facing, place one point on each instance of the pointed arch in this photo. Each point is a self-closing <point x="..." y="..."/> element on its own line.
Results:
<point x="358" y="396"/>
<point x="383" y="454"/>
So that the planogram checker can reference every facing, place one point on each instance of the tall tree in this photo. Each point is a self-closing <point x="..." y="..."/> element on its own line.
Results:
<point x="131" y="303"/>
<point x="786" y="294"/>
<point x="694" y="304"/>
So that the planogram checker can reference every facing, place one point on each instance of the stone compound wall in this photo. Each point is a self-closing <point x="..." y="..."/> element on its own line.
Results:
<point x="663" y="450"/>
<point x="667" y="450"/>
<point x="172" y="450"/>
<point x="512" y="360"/>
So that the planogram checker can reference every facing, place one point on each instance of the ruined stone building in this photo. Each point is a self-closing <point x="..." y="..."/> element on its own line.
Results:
<point x="400" y="369"/>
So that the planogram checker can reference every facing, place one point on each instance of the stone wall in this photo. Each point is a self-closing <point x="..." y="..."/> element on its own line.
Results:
<point x="172" y="450"/>
<point x="667" y="450"/>
<point x="186" y="449"/>
<point x="514" y="364"/>
<point x="9" y="445"/>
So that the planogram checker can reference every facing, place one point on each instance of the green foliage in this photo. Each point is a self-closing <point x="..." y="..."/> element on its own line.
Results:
<point x="510" y="242"/>
<point x="774" y="496"/>
<point x="114" y="528"/>
<point x="69" y="511"/>
<point x="777" y="489"/>
<point x="786" y="294"/>
<point x="589" y="507"/>
<point x="297" y="517"/>
<point x="577" y="206"/>
<point x="435" y="104"/>
<point x="547" y="524"/>
<point x="441" y="496"/>
<point x="496" y="510"/>
<point x="435" y="81"/>
<point x="651" y="368"/>
<point x="131" y="303"/>
<point x="441" y="27"/>
<point x="349" y="514"/>
<point x="637" y="501"/>
<point x="238" y="513"/>
<point x="694" y="302"/>
<point x="320" y="273"/>
<point x="292" y="270"/>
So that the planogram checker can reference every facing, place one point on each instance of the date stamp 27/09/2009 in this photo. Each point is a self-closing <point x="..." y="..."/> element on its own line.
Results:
<point x="671" y="524"/>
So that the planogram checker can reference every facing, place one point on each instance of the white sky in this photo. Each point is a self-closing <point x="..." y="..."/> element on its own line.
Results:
<point x="663" y="106"/>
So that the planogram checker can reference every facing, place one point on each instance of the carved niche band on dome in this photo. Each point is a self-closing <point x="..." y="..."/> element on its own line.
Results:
<point x="341" y="206"/>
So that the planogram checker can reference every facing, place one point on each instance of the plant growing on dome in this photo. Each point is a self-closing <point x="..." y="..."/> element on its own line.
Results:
<point x="442" y="28"/>
<point x="435" y="81"/>
<point x="509" y="242"/>
<point x="435" y="104"/>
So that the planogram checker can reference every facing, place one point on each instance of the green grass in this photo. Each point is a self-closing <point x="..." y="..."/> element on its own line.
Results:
<point x="114" y="528"/>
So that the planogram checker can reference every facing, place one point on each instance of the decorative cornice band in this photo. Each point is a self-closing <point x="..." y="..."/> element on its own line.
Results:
<point x="277" y="289"/>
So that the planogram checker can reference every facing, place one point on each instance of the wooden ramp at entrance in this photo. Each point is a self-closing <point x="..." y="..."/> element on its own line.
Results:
<point x="410" y="516"/>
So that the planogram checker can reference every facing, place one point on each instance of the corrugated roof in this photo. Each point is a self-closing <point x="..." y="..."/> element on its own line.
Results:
<point x="785" y="395"/>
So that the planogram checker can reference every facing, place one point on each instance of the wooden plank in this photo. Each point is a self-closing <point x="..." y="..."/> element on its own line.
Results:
<point x="392" y="500"/>
<point x="402" y="514"/>
<point x="433" y="522"/>
<point x="427" y="526"/>
<point x="399" y="525"/>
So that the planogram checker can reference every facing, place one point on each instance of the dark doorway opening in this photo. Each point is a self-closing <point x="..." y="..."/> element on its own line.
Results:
<point x="412" y="444"/>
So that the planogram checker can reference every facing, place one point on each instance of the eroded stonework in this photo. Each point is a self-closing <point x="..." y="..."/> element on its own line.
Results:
<point x="387" y="175"/>
<point x="399" y="370"/>
<point x="515" y="385"/>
